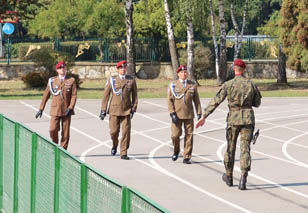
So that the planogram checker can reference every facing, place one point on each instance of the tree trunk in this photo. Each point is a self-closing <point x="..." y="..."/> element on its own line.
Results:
<point x="1" y="43"/>
<point x="223" y="46"/>
<point x="238" y="42"/>
<point x="237" y="31"/>
<point x="130" y="47"/>
<point x="282" y="75"/>
<point x="214" y="38"/>
<point x="243" y="28"/>
<point x="190" y="48"/>
<point x="172" y="45"/>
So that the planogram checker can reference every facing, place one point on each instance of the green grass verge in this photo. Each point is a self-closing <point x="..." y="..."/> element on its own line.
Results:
<point x="94" y="89"/>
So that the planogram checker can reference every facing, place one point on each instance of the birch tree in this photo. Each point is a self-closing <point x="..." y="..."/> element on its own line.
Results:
<point x="130" y="49"/>
<point x="214" y="38"/>
<point x="190" y="42"/>
<point x="223" y="47"/>
<point x="171" y="40"/>
<point x="238" y="41"/>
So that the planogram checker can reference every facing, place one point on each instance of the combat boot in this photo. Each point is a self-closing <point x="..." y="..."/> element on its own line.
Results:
<point x="227" y="179"/>
<point x="242" y="184"/>
<point x="113" y="151"/>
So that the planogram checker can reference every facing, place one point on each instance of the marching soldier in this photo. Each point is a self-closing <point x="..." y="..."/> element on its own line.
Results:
<point x="64" y="96"/>
<point x="181" y="95"/>
<point x="242" y="95"/>
<point x="122" y="106"/>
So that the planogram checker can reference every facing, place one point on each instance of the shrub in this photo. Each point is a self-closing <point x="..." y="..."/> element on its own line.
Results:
<point x="204" y="60"/>
<point x="47" y="58"/>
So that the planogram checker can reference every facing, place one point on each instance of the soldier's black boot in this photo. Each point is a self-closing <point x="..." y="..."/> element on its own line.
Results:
<point x="124" y="157"/>
<point x="228" y="179"/>
<point x="242" y="184"/>
<point x="174" y="157"/>
<point x="187" y="161"/>
<point x="113" y="151"/>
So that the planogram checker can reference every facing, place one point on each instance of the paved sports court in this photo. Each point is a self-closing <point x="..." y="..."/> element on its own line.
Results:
<point x="278" y="180"/>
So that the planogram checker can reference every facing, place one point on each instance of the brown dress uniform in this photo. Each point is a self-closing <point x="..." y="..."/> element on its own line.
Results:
<point x="180" y="101"/>
<point x="64" y="97"/>
<point x="123" y="101"/>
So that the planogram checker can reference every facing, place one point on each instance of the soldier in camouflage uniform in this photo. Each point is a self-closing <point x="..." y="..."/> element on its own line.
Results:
<point x="242" y="95"/>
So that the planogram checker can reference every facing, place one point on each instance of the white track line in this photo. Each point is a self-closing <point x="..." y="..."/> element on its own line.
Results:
<point x="285" y="152"/>
<point x="261" y="178"/>
<point x="145" y="163"/>
<point x="252" y="174"/>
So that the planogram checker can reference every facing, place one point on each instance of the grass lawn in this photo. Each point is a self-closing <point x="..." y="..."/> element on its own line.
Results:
<point x="93" y="89"/>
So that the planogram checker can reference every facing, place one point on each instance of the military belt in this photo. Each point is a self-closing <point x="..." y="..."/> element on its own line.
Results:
<point x="239" y="108"/>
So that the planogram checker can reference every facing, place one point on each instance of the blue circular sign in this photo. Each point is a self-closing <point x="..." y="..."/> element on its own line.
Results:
<point x="8" y="28"/>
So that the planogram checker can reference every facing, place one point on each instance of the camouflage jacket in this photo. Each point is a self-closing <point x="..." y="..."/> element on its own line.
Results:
<point x="242" y="95"/>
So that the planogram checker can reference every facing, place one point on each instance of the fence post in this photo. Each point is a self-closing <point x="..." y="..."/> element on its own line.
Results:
<point x="126" y="207"/>
<point x="84" y="189"/>
<point x="57" y="180"/>
<point x="250" y="49"/>
<point x="16" y="164"/>
<point x="8" y="50"/>
<point x="106" y="50"/>
<point x="33" y="171"/>
<point x="1" y="162"/>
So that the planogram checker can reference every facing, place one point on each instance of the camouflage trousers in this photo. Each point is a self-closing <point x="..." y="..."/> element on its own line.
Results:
<point x="246" y="132"/>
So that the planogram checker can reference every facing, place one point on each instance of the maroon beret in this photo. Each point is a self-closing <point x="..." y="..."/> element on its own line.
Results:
<point x="121" y="64"/>
<point x="60" y="64"/>
<point x="180" y="68"/>
<point x="240" y="63"/>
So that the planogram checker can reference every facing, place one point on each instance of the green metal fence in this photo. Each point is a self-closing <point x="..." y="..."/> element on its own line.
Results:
<point x="36" y="175"/>
<point x="147" y="49"/>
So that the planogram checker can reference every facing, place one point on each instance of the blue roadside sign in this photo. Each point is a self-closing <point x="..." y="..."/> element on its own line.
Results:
<point x="8" y="28"/>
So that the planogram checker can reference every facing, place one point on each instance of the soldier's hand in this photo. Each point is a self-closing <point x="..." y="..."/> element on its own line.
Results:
<point x="102" y="115"/>
<point x="199" y="116"/>
<point x="68" y="112"/>
<point x="132" y="114"/>
<point x="200" y="122"/>
<point x="39" y="114"/>
<point x="174" y="117"/>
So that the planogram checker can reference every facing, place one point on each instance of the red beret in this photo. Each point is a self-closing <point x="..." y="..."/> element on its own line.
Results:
<point x="121" y="64"/>
<point x="60" y="64"/>
<point x="240" y="63"/>
<point x="180" y="68"/>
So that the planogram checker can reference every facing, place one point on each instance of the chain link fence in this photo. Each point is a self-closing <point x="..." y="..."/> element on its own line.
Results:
<point x="36" y="175"/>
<point x="146" y="49"/>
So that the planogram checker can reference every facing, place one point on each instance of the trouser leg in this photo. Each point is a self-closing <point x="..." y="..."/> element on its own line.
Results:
<point x="65" y="131"/>
<point x="114" y="126"/>
<point x="231" y="135"/>
<point x="126" y="128"/>
<point x="246" y="133"/>
<point x="54" y="128"/>
<point x="188" y="144"/>
<point x="176" y="132"/>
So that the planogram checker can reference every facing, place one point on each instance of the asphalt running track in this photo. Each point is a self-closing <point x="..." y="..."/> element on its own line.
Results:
<point x="277" y="183"/>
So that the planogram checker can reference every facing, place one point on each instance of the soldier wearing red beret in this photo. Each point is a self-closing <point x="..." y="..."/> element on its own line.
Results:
<point x="122" y="106"/>
<point x="64" y="95"/>
<point x="242" y="95"/>
<point x="182" y="93"/>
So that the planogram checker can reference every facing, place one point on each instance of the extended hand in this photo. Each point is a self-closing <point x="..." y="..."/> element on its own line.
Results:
<point x="68" y="112"/>
<point x="102" y="115"/>
<point x="39" y="114"/>
<point x="174" y="117"/>
<point x="200" y="122"/>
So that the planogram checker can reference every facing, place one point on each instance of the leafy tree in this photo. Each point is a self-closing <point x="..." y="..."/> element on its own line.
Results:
<point x="79" y="18"/>
<point x="294" y="33"/>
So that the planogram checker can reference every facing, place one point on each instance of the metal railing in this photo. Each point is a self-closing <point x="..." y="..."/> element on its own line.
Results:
<point x="147" y="49"/>
<point x="36" y="175"/>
